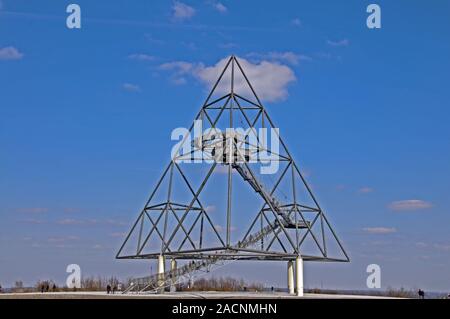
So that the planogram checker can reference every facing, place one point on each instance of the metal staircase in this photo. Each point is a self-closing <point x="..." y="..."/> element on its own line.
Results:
<point x="171" y="277"/>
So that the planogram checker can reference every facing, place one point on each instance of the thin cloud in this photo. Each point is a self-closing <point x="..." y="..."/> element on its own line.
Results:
<point x="108" y="222"/>
<point x="220" y="228"/>
<point x="71" y="210"/>
<point x="130" y="87"/>
<point x="409" y="205"/>
<point x="228" y="45"/>
<point x="70" y="221"/>
<point x="10" y="53"/>
<point x="220" y="7"/>
<point x="380" y="230"/>
<point x="210" y="208"/>
<point x="141" y="57"/>
<point x="118" y="234"/>
<point x="365" y="190"/>
<point x="32" y="221"/>
<point x="270" y="79"/>
<point x="286" y="57"/>
<point x="442" y="247"/>
<point x="296" y="22"/>
<point x="181" y="11"/>
<point x="115" y="222"/>
<point x="32" y="210"/>
<point x="62" y="239"/>
<point x="339" y="43"/>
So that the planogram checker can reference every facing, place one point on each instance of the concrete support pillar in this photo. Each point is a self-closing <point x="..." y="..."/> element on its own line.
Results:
<point x="299" y="275"/>
<point x="173" y="268"/>
<point x="290" y="271"/>
<point x="161" y="262"/>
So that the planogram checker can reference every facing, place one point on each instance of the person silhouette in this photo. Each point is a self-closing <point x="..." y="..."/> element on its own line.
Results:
<point x="421" y="294"/>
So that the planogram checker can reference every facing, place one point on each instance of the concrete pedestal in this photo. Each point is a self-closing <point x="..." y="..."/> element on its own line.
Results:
<point x="161" y="266"/>
<point x="290" y="278"/>
<point x="299" y="276"/>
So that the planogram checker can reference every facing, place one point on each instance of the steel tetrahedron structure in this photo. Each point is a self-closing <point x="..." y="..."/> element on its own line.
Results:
<point x="231" y="191"/>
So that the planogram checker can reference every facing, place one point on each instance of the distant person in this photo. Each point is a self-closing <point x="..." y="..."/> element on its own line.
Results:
<point x="272" y="289"/>
<point x="108" y="289"/>
<point x="421" y="294"/>
<point x="54" y="288"/>
<point x="42" y="288"/>
<point x="47" y="288"/>
<point x="114" y="289"/>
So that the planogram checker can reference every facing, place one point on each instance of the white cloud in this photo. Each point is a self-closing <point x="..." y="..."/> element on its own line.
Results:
<point x="220" y="7"/>
<point x="410" y="204"/>
<point x="339" y="43"/>
<point x="380" y="230"/>
<point x="141" y="57"/>
<point x="182" y="11"/>
<point x="287" y="57"/>
<point x="131" y="87"/>
<point x="296" y="22"/>
<point x="269" y="79"/>
<point x="10" y="53"/>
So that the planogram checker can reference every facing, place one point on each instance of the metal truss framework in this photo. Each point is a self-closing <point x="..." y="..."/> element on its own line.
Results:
<point x="184" y="229"/>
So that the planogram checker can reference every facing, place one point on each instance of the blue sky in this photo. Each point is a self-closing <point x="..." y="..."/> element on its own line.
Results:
<point x="86" y="117"/>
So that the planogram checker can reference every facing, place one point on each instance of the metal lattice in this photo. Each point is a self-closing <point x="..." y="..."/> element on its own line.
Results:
<point x="176" y="222"/>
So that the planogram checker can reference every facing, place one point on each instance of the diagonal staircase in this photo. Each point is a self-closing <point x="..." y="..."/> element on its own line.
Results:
<point x="172" y="277"/>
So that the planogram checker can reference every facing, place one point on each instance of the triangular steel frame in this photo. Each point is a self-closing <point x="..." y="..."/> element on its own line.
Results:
<point x="289" y="241"/>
